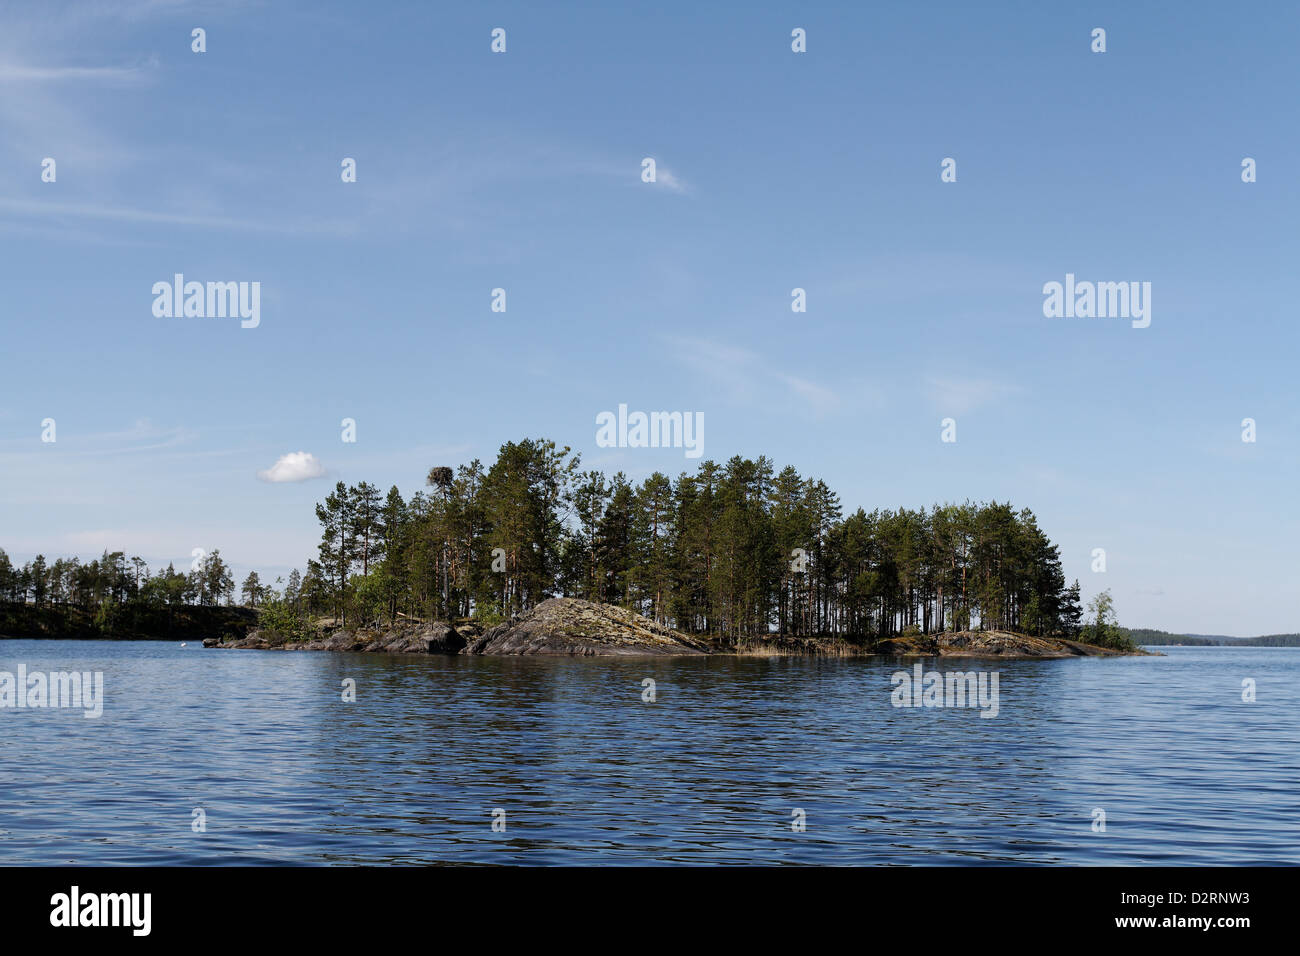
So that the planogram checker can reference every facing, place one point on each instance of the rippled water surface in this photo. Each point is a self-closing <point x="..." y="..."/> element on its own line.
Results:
<point x="586" y="772"/>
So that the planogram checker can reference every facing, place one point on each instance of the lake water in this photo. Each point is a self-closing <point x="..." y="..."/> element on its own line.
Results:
<point x="586" y="772"/>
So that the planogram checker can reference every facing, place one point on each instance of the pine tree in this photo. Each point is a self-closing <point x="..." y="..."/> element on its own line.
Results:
<point x="338" y="546"/>
<point x="251" y="589"/>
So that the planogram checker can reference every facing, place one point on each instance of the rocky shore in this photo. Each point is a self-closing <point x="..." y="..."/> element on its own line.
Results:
<point x="436" y="638"/>
<point x="568" y="627"/>
<point x="994" y="644"/>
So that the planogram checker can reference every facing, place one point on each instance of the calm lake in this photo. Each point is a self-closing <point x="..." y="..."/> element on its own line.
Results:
<point x="586" y="772"/>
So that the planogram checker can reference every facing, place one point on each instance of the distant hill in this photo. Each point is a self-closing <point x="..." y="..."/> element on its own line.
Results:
<point x="1147" y="636"/>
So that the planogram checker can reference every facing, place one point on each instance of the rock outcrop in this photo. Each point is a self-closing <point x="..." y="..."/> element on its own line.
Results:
<point x="992" y="644"/>
<point x="436" y="638"/>
<point x="569" y="627"/>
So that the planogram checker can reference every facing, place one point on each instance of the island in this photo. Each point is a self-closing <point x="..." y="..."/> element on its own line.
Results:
<point x="535" y="556"/>
<point x="571" y="627"/>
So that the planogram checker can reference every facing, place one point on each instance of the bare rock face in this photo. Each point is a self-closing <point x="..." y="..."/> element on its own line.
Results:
<point x="436" y="638"/>
<point x="570" y="627"/>
<point x="338" y="641"/>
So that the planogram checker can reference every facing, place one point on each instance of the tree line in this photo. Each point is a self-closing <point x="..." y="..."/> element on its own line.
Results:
<point x="730" y="550"/>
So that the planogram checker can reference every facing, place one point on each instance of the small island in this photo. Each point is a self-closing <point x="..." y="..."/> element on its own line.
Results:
<point x="533" y="555"/>
<point x="571" y="627"/>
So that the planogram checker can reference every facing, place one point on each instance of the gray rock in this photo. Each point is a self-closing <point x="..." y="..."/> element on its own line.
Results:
<point x="436" y="638"/>
<point x="574" y="628"/>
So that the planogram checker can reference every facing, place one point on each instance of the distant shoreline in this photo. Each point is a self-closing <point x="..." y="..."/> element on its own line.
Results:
<point x="1155" y="638"/>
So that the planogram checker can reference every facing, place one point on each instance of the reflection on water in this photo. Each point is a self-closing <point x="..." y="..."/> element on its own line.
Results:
<point x="588" y="773"/>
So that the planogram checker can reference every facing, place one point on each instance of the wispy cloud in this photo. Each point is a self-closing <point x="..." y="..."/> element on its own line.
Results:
<point x="670" y="181"/>
<point x="16" y="72"/>
<point x="128" y="214"/>
<point x="746" y="376"/>
<point x="958" y="396"/>
<point x="143" y="435"/>
<point x="53" y="104"/>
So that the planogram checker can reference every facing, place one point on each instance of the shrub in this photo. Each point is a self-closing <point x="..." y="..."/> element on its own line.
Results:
<point x="283" y="618"/>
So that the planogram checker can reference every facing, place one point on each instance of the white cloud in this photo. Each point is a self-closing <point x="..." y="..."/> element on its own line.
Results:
<point x="295" y="466"/>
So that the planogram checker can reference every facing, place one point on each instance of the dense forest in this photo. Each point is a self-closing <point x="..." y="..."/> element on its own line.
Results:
<point x="731" y="550"/>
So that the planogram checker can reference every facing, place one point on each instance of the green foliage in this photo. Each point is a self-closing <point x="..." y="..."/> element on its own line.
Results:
<point x="374" y="595"/>
<point x="106" y="616"/>
<point x="1103" y="628"/>
<point x="488" y="616"/>
<point x="281" y="617"/>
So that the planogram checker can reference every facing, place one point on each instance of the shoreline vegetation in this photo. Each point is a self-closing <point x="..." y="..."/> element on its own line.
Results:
<point x="732" y="558"/>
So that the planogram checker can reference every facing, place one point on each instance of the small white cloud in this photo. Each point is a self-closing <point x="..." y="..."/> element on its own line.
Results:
<point x="295" y="466"/>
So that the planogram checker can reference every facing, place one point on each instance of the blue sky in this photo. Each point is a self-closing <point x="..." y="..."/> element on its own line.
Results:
<point x="777" y="170"/>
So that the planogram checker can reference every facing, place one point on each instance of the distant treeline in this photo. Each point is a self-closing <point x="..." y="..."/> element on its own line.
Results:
<point x="131" y="621"/>
<point x="116" y="596"/>
<point x="113" y="579"/>
<point x="1148" y="636"/>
